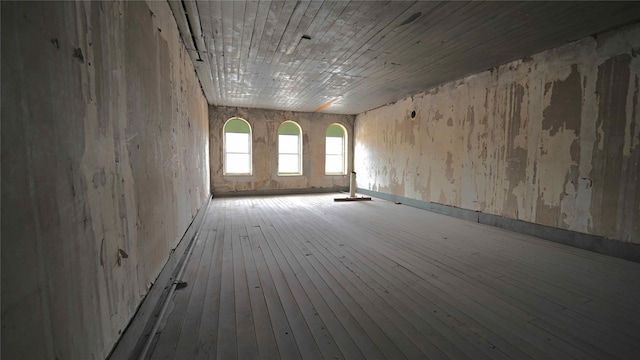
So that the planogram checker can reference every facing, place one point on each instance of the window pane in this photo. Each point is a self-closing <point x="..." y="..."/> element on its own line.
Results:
<point x="238" y="164"/>
<point x="288" y="164"/>
<point x="237" y="126"/>
<point x="288" y="128"/>
<point x="288" y="144"/>
<point x="335" y="131"/>
<point x="237" y="143"/>
<point x="334" y="146"/>
<point x="334" y="164"/>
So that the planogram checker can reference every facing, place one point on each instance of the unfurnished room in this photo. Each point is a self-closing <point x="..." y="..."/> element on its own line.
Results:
<point x="192" y="179"/>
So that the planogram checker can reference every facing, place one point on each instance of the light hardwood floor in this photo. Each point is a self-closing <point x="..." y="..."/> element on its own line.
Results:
<point x="306" y="277"/>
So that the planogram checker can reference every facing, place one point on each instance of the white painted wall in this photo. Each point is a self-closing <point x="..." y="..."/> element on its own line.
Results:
<point x="264" y="124"/>
<point x="104" y="164"/>
<point x="553" y="139"/>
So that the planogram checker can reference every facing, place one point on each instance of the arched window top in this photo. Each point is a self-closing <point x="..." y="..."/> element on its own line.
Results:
<point x="237" y="125"/>
<point x="289" y="128"/>
<point x="336" y="130"/>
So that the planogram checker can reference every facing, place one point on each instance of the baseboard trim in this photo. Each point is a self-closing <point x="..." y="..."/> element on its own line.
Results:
<point x="599" y="244"/>
<point x="133" y="337"/>
<point x="312" y="190"/>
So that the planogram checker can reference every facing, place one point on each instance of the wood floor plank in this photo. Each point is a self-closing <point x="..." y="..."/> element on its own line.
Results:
<point x="621" y="338"/>
<point x="492" y="308"/>
<point x="282" y="330"/>
<point x="507" y="294"/>
<point x="171" y="326"/>
<point x="365" y="244"/>
<point x="247" y="344"/>
<point x="191" y="322"/>
<point x="304" y="277"/>
<point x="208" y="332"/>
<point x="226" y="342"/>
<point x="394" y="312"/>
<point x="543" y="265"/>
<point x="265" y="338"/>
<point x="341" y="303"/>
<point x="318" y="315"/>
<point x="311" y="334"/>
<point x="525" y="345"/>
<point x="404" y="299"/>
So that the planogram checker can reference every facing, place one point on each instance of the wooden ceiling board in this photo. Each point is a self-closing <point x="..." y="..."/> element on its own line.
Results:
<point x="210" y="19"/>
<point x="496" y="46"/>
<point x="312" y="52"/>
<point x="290" y="68"/>
<point x="324" y="67"/>
<point x="447" y="41"/>
<point x="333" y="90"/>
<point x="394" y="61"/>
<point x="359" y="55"/>
<point x="483" y="54"/>
<point x="256" y="82"/>
<point x="289" y="65"/>
<point x="229" y="51"/>
<point x="399" y="46"/>
<point x="284" y="43"/>
<point x="264" y="83"/>
<point x="298" y="56"/>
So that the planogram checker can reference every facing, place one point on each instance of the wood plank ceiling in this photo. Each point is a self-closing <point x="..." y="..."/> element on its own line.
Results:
<point x="346" y="57"/>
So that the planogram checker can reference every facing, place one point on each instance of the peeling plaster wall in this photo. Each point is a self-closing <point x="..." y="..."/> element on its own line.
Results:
<point x="104" y="164"/>
<point x="552" y="139"/>
<point x="264" y="125"/>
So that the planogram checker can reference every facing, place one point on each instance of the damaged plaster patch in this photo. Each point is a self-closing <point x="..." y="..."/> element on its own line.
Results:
<point x="565" y="110"/>
<point x="521" y="140"/>
<point x="608" y="158"/>
<point x="99" y="178"/>
<point x="77" y="53"/>
<point x="560" y="149"/>
<point x="449" y="169"/>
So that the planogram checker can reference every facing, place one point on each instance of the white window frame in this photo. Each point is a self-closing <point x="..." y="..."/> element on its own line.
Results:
<point x="344" y="152"/>
<point x="299" y="153"/>
<point x="225" y="152"/>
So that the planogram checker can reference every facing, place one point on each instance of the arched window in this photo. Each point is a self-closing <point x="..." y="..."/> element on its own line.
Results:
<point x="289" y="149"/>
<point x="335" y="162"/>
<point x="237" y="147"/>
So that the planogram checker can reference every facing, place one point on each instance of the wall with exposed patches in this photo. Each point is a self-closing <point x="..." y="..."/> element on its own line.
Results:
<point x="104" y="165"/>
<point x="264" y="125"/>
<point x="553" y="139"/>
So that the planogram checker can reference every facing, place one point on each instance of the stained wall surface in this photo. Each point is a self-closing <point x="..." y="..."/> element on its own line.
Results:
<point x="104" y="164"/>
<point x="264" y="126"/>
<point x="552" y="139"/>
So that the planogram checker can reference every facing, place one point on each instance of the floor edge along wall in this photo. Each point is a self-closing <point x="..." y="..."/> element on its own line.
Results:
<point x="136" y="332"/>
<point x="599" y="244"/>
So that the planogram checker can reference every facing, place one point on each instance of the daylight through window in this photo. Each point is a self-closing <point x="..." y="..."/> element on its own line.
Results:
<point x="289" y="149"/>
<point x="237" y="147"/>
<point x="336" y="150"/>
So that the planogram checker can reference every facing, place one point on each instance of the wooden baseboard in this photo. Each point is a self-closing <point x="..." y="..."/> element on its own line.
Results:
<point x="599" y="244"/>
<point x="130" y="340"/>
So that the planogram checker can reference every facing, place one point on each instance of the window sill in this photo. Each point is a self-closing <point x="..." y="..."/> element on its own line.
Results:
<point x="237" y="175"/>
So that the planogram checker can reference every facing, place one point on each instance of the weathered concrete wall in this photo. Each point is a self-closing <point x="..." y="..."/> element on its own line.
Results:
<point x="553" y="139"/>
<point x="264" y="124"/>
<point x="104" y="164"/>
